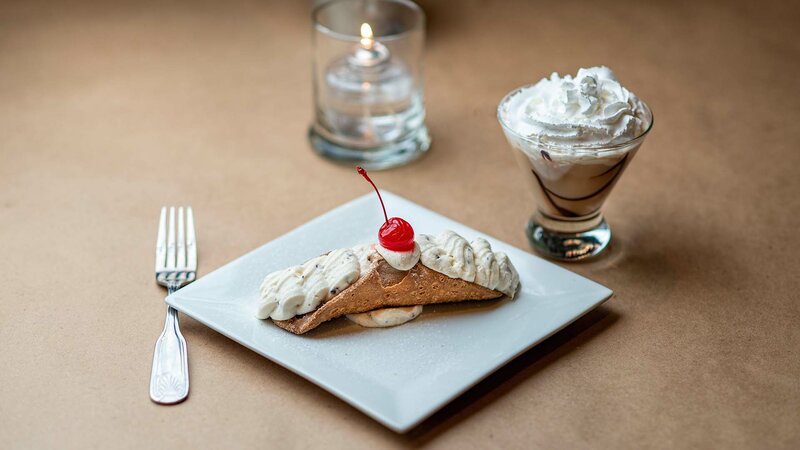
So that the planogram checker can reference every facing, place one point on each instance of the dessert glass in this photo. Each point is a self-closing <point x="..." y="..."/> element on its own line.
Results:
<point x="570" y="183"/>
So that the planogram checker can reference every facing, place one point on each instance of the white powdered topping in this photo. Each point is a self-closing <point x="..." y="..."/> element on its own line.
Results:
<point x="453" y="256"/>
<point x="386" y="317"/>
<point x="300" y="289"/>
<point x="400" y="260"/>
<point x="592" y="108"/>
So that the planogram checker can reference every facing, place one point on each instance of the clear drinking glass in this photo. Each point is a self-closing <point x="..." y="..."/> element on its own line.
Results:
<point x="569" y="185"/>
<point x="368" y="92"/>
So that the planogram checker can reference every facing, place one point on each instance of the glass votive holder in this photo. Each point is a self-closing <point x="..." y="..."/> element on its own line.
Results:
<point x="367" y="75"/>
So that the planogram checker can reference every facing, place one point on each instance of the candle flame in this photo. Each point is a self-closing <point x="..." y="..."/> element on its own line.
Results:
<point x="366" y="35"/>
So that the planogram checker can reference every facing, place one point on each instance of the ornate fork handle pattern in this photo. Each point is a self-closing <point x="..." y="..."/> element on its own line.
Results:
<point x="176" y="266"/>
<point x="169" y="381"/>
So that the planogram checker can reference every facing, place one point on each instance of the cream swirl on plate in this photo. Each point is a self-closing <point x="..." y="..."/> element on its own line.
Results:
<point x="453" y="256"/>
<point x="592" y="108"/>
<point x="386" y="317"/>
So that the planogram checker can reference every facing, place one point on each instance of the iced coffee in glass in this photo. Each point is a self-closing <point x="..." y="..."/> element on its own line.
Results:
<point x="573" y="137"/>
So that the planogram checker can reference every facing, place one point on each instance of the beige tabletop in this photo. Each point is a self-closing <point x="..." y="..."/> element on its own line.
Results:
<point x="109" y="111"/>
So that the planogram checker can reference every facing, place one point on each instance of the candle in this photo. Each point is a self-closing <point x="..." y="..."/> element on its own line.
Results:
<point x="367" y="86"/>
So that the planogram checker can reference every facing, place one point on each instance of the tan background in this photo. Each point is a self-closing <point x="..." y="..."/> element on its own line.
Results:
<point x="109" y="111"/>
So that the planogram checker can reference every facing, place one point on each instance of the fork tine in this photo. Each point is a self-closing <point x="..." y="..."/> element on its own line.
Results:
<point x="191" y="245"/>
<point x="181" y="244"/>
<point x="161" y="241"/>
<point x="171" y="239"/>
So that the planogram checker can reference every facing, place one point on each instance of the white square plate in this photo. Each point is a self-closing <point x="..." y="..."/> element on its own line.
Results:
<point x="398" y="376"/>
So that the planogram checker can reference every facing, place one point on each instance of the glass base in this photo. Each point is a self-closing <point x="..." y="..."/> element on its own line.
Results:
<point x="391" y="155"/>
<point x="568" y="246"/>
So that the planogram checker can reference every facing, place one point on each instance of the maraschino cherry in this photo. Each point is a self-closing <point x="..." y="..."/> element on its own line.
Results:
<point x="395" y="234"/>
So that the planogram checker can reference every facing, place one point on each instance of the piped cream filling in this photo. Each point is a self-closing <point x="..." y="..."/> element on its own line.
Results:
<point x="452" y="255"/>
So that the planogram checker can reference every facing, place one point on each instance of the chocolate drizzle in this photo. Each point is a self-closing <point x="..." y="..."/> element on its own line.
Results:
<point x="547" y="193"/>
<point x="619" y="164"/>
<point x="552" y="197"/>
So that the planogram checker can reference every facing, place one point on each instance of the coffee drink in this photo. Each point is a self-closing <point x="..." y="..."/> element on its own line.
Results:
<point x="573" y="137"/>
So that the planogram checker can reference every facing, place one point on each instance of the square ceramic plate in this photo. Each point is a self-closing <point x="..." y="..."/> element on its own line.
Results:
<point x="398" y="376"/>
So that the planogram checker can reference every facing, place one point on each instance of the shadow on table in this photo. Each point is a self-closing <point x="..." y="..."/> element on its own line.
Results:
<point x="669" y="260"/>
<point x="511" y="375"/>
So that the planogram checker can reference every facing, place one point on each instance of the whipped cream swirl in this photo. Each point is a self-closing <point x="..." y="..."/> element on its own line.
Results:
<point x="400" y="260"/>
<point x="300" y="289"/>
<point x="592" y="108"/>
<point x="453" y="256"/>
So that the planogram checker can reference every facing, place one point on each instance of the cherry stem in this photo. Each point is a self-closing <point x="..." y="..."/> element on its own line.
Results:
<point x="363" y="173"/>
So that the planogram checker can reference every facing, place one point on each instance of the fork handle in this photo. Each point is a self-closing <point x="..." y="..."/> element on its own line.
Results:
<point x="169" y="380"/>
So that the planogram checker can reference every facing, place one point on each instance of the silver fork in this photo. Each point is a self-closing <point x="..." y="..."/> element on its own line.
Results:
<point x="176" y="266"/>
